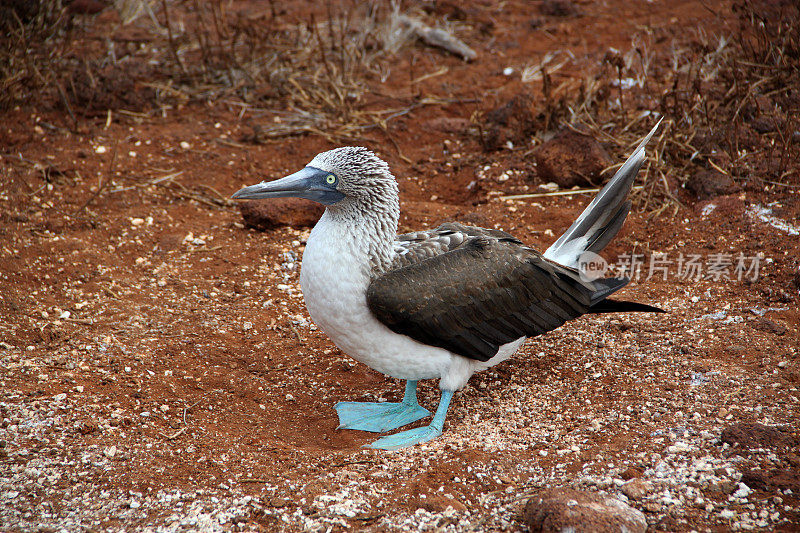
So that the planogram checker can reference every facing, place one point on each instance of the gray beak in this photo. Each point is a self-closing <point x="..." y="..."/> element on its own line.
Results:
<point x="310" y="183"/>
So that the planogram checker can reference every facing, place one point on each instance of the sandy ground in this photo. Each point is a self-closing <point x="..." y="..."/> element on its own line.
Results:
<point x="159" y="369"/>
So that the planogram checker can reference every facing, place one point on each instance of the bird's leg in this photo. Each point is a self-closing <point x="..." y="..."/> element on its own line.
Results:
<point x="417" y="435"/>
<point x="380" y="417"/>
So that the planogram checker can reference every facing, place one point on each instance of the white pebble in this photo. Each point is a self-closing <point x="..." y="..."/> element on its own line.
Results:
<point x="743" y="491"/>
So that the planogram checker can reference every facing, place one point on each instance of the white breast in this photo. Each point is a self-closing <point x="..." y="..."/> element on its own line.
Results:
<point x="334" y="277"/>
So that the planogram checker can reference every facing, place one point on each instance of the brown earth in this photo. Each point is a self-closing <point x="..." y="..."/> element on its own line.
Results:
<point x="159" y="369"/>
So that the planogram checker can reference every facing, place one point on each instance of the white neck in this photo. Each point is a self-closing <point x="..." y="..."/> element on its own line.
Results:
<point x="365" y="228"/>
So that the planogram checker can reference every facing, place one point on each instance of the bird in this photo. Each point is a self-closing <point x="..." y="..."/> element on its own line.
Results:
<point x="441" y="303"/>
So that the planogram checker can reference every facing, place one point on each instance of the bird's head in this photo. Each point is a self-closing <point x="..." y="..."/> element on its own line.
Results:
<point x="337" y="177"/>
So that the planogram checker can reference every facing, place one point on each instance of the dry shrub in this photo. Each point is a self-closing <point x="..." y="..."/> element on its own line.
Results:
<point x="736" y="105"/>
<point x="33" y="38"/>
<point x="253" y="53"/>
<point x="730" y="103"/>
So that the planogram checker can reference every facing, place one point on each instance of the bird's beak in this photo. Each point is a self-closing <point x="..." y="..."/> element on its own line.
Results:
<point x="308" y="183"/>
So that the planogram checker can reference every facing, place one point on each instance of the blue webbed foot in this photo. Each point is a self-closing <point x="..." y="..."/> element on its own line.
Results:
<point x="406" y="438"/>
<point x="417" y="435"/>
<point x="378" y="417"/>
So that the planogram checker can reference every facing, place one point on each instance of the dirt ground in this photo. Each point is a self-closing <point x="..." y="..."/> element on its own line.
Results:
<point x="159" y="370"/>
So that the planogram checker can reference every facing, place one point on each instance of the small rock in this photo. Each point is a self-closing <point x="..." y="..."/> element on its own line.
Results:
<point x="630" y="473"/>
<point x="764" y="124"/>
<point x="667" y="523"/>
<point x="678" y="447"/>
<point x="770" y="326"/>
<point x="707" y="184"/>
<point x="278" y="502"/>
<point x="775" y="480"/>
<point x="742" y="491"/>
<point x="571" y="159"/>
<point x="759" y="436"/>
<point x="724" y="486"/>
<point x="637" y="488"/>
<point x="558" y="8"/>
<point x="652" y="507"/>
<point x="439" y="504"/>
<point x="566" y="509"/>
<point x="294" y="212"/>
<point x="513" y="121"/>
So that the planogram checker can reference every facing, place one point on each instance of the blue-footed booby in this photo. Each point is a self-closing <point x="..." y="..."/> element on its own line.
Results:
<point x="442" y="303"/>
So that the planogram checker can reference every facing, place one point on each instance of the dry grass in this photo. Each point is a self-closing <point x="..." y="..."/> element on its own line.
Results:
<point x="33" y="39"/>
<point x="317" y="70"/>
<point x="730" y="104"/>
<point x="730" y="101"/>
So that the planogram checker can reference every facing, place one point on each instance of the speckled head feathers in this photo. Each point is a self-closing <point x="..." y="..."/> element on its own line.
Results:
<point x="361" y="173"/>
<point x="371" y="206"/>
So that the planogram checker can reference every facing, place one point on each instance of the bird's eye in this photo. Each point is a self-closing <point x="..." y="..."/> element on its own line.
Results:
<point x="331" y="179"/>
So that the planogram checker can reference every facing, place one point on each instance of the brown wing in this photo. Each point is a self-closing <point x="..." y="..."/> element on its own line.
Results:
<point x="484" y="293"/>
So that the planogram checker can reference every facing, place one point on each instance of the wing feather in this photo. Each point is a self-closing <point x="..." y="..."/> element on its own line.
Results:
<point x="486" y="291"/>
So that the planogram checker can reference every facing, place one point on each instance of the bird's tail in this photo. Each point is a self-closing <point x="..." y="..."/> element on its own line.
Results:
<point x="622" y="306"/>
<point x="603" y="218"/>
<point x="599" y="302"/>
